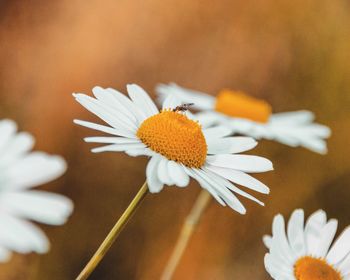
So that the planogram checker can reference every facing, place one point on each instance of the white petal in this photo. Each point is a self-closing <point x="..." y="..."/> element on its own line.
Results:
<point x="171" y="102"/>
<point x="139" y="152"/>
<point x="210" y="118"/>
<point x="237" y="190"/>
<point x="277" y="269"/>
<point x="5" y="255"/>
<point x="153" y="182"/>
<point x="216" y="132"/>
<point x="111" y="98"/>
<point x="112" y="140"/>
<point x="296" y="117"/>
<point x="315" y="145"/>
<point x="39" y="206"/>
<point x="201" y="100"/>
<point x="142" y="100"/>
<point x="204" y="184"/>
<point x="19" y="145"/>
<point x="280" y="245"/>
<point x="119" y="147"/>
<point x="240" y="178"/>
<point x="267" y="239"/>
<point x="245" y="163"/>
<point x="21" y="236"/>
<point x="8" y="129"/>
<point x="178" y="174"/>
<point x="326" y="237"/>
<point x="103" y="112"/>
<point x="313" y="227"/>
<point x="344" y="266"/>
<point x="163" y="173"/>
<point x="230" y="145"/>
<point x="296" y="232"/>
<point x="340" y="248"/>
<point x="216" y="182"/>
<point x="35" y="169"/>
<point x="126" y="118"/>
<point x="103" y="128"/>
<point x="128" y="105"/>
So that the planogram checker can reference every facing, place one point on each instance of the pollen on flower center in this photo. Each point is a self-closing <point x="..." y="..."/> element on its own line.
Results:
<point x="309" y="268"/>
<point x="176" y="137"/>
<point x="238" y="104"/>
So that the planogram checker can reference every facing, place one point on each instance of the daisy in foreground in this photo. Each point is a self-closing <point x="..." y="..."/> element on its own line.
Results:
<point x="178" y="146"/>
<point x="253" y="117"/>
<point x="305" y="252"/>
<point x="21" y="170"/>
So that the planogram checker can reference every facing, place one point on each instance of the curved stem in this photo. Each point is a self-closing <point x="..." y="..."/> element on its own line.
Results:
<point x="187" y="230"/>
<point x="113" y="234"/>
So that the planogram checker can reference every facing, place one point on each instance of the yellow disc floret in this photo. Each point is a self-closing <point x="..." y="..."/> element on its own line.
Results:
<point x="309" y="268"/>
<point x="238" y="104"/>
<point x="173" y="135"/>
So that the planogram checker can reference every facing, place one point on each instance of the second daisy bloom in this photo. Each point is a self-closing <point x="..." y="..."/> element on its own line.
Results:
<point x="178" y="146"/>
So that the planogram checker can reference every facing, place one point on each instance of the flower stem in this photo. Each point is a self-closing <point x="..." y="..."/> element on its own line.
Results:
<point x="187" y="230"/>
<point x="113" y="234"/>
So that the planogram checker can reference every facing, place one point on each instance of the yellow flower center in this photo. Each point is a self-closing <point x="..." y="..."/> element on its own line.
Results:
<point x="309" y="268"/>
<point x="176" y="137"/>
<point x="238" y="104"/>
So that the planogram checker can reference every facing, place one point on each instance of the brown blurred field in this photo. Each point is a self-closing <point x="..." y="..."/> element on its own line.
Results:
<point x="295" y="54"/>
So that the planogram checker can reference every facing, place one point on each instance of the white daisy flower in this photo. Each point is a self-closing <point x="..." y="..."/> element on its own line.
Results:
<point x="178" y="147"/>
<point x="21" y="170"/>
<point x="249" y="116"/>
<point x="305" y="252"/>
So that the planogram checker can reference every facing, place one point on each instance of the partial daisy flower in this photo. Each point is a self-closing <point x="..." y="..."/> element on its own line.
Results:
<point x="21" y="170"/>
<point x="178" y="147"/>
<point x="305" y="252"/>
<point x="253" y="117"/>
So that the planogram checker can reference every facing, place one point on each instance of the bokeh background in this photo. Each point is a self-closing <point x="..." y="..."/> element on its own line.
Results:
<point x="295" y="54"/>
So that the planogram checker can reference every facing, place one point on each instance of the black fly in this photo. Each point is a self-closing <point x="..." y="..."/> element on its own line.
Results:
<point x="183" y="107"/>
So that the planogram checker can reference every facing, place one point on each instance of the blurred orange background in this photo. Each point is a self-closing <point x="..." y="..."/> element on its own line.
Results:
<point x="294" y="54"/>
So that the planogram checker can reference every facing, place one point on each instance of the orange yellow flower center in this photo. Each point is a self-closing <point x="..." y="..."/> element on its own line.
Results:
<point x="309" y="268"/>
<point x="176" y="137"/>
<point x="238" y="104"/>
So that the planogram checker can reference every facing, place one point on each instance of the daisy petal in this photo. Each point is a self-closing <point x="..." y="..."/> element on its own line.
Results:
<point x="296" y="232"/>
<point x="39" y="206"/>
<point x="178" y="174"/>
<point x="127" y="105"/>
<point x="21" y="236"/>
<point x="105" y="114"/>
<point x="230" y="145"/>
<point x="8" y="129"/>
<point x="340" y="248"/>
<point x="102" y="128"/>
<point x="118" y="147"/>
<point x="112" y="98"/>
<point x="326" y="237"/>
<point x="125" y="118"/>
<point x="112" y="140"/>
<point x="296" y="117"/>
<point x="240" y="178"/>
<point x="5" y="255"/>
<point x="201" y="100"/>
<point x="163" y="172"/>
<point x="313" y="226"/>
<point x="35" y="169"/>
<point x="267" y="239"/>
<point x="245" y="163"/>
<point x="153" y="182"/>
<point x="216" y="132"/>
<point x="20" y="144"/>
<point x="171" y="102"/>
<point x="142" y="100"/>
